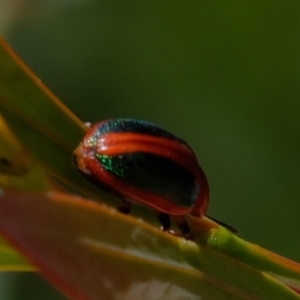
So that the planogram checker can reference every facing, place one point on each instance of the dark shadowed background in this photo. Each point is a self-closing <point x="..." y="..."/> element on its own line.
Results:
<point x="224" y="76"/>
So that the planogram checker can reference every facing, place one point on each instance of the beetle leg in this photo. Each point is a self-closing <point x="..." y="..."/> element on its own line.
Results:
<point x="183" y="226"/>
<point x="125" y="207"/>
<point x="165" y="221"/>
<point x="180" y="222"/>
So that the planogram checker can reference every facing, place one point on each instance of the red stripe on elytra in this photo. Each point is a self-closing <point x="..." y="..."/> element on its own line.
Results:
<point x="120" y="143"/>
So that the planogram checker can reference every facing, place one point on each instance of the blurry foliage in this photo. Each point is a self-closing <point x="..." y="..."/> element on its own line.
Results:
<point x="223" y="76"/>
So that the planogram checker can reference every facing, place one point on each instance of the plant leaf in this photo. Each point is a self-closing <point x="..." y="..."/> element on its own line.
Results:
<point x="43" y="124"/>
<point x="221" y="239"/>
<point x="90" y="251"/>
<point x="14" y="160"/>
<point x="12" y="260"/>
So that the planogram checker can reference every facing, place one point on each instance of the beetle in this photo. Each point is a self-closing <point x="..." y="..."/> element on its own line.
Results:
<point x="145" y="164"/>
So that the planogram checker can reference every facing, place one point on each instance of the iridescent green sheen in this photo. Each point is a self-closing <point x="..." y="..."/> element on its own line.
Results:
<point x="112" y="165"/>
<point x="154" y="174"/>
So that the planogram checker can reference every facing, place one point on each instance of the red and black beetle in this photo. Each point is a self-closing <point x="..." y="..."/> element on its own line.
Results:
<point x="143" y="163"/>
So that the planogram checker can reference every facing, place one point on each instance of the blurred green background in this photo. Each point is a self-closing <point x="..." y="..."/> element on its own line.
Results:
<point x="224" y="76"/>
